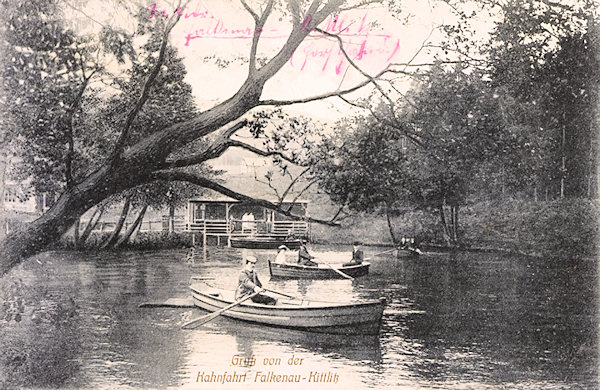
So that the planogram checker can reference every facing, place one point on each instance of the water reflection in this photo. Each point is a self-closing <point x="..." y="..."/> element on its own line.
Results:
<point x="501" y="320"/>
<point x="365" y="349"/>
<point x="452" y="321"/>
<point x="303" y="285"/>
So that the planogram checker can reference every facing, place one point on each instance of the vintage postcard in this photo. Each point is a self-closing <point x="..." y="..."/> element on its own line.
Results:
<point x="299" y="194"/>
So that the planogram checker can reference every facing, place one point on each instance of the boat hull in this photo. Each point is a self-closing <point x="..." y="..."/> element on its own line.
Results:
<point x="297" y="271"/>
<point x="263" y="243"/>
<point x="320" y="317"/>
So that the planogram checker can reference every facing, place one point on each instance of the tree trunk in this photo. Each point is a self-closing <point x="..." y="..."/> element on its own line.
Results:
<point x="3" y="221"/>
<point x="389" y="223"/>
<point x="138" y="230"/>
<point x="136" y="224"/>
<point x="76" y="232"/>
<point x="112" y="240"/>
<point x="136" y="164"/>
<point x="455" y="224"/>
<point x="171" y="219"/>
<point x="90" y="226"/>
<point x="445" y="230"/>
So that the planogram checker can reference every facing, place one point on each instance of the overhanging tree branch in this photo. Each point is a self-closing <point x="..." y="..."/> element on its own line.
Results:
<point x="215" y="150"/>
<point x="274" y="102"/>
<point x="246" y="98"/>
<point x="145" y="94"/>
<point x="258" y="151"/>
<point x="259" y="23"/>
<point x="355" y="66"/>
<point x="294" y="181"/>
<point x="269" y="183"/>
<point x="312" y="18"/>
<point x="212" y="185"/>
<point x="299" y="194"/>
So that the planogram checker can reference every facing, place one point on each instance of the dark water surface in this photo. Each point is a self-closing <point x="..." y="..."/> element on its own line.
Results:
<point x="476" y="321"/>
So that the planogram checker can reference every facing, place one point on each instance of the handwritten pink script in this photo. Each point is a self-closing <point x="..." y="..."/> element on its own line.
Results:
<point x="360" y="43"/>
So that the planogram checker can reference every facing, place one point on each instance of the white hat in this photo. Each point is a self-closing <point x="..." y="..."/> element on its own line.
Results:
<point x="283" y="247"/>
<point x="251" y="259"/>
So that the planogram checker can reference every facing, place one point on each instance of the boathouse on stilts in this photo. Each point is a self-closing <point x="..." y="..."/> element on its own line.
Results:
<point x="225" y="221"/>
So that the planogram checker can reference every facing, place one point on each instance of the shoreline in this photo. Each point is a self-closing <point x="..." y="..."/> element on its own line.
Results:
<point x="182" y="240"/>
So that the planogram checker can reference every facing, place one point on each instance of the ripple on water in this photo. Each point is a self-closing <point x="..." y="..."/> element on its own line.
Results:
<point x="481" y="322"/>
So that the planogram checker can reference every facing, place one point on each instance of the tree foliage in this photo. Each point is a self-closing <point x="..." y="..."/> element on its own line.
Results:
<point x="543" y="62"/>
<point x="144" y="130"/>
<point x="143" y="148"/>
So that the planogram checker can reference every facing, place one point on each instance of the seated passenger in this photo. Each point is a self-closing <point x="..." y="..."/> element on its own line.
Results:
<point x="357" y="255"/>
<point x="304" y="258"/>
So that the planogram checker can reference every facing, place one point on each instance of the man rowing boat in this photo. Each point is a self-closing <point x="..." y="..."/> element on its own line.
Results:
<point x="305" y="258"/>
<point x="248" y="283"/>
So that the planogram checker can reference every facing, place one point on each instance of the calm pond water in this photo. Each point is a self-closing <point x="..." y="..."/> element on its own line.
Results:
<point x="476" y="321"/>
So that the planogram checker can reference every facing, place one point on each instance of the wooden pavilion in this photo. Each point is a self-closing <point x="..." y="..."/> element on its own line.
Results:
<point x="225" y="218"/>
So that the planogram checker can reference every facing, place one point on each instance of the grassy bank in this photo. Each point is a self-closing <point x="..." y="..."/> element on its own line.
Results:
<point x="565" y="228"/>
<point x="560" y="229"/>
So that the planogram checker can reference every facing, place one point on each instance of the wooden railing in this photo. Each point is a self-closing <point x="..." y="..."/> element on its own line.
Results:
<point x="236" y="227"/>
<point x="155" y="225"/>
<point x="213" y="227"/>
<point x="296" y="228"/>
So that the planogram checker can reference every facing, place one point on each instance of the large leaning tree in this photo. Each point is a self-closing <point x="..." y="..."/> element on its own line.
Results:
<point x="165" y="154"/>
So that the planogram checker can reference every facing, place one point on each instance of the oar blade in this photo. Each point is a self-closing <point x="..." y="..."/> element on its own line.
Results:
<point x="337" y="270"/>
<point x="342" y="274"/>
<point x="193" y="324"/>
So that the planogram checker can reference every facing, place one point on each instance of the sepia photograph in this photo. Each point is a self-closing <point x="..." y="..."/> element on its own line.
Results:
<point x="299" y="194"/>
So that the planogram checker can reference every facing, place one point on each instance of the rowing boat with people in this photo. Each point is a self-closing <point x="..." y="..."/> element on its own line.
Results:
<point x="321" y="271"/>
<point x="296" y="313"/>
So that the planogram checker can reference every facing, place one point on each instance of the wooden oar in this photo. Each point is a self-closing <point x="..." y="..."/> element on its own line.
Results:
<point x="380" y="253"/>
<point x="208" y="317"/>
<point x="280" y="293"/>
<point x="377" y="254"/>
<point x="336" y="270"/>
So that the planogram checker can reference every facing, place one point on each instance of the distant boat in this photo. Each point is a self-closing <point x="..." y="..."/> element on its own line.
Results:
<point x="263" y="243"/>
<point x="313" y="316"/>
<point x="322" y="271"/>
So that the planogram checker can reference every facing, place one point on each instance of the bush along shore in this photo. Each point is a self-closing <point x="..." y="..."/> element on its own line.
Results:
<point x="141" y="241"/>
<point x="565" y="228"/>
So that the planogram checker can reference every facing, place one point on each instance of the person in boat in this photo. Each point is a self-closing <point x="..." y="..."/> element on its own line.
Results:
<point x="403" y="243"/>
<point x="281" y="254"/>
<point x="357" y="255"/>
<point x="248" y="283"/>
<point x="414" y="247"/>
<point x="305" y="258"/>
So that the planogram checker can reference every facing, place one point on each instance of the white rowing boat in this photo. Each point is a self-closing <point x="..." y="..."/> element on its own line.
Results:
<point x="313" y="316"/>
